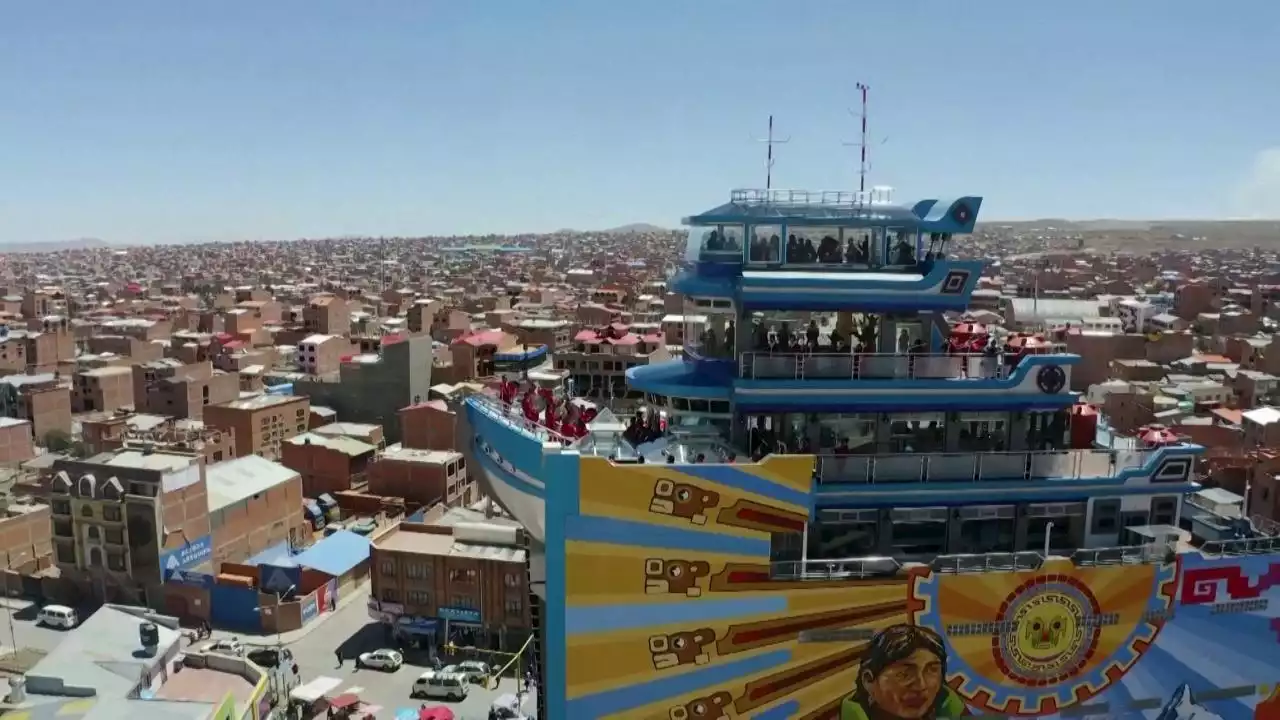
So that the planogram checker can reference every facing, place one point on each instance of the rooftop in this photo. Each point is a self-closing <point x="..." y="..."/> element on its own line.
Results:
<point x="258" y="402"/>
<point x="341" y="443"/>
<point x="235" y="480"/>
<point x="145" y="460"/>
<point x="416" y="455"/>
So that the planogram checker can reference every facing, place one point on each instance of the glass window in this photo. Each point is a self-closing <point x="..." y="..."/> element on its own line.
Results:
<point x="805" y="245"/>
<point x="847" y="433"/>
<point x="714" y="244"/>
<point x="766" y="244"/>
<point x="900" y="247"/>
<point x="709" y="334"/>
<point x="1106" y="516"/>
<point x="856" y="246"/>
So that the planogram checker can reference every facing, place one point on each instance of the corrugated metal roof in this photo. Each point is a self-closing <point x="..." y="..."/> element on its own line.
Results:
<point x="234" y="480"/>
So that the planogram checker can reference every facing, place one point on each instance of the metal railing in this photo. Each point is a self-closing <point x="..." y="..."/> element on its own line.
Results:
<point x="978" y="466"/>
<point x="1250" y="546"/>
<point x="840" y="569"/>
<point x="827" y="198"/>
<point x="868" y="366"/>
<point x="968" y="563"/>
<point x="508" y="416"/>
<point x="987" y="562"/>
<point x="1152" y="553"/>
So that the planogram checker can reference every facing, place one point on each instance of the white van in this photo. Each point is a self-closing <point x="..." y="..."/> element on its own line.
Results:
<point x="58" y="616"/>
<point x="434" y="685"/>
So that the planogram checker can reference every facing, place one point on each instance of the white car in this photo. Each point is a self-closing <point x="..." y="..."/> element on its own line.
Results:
<point x="390" y="660"/>
<point x="225" y="646"/>
<point x="474" y="670"/>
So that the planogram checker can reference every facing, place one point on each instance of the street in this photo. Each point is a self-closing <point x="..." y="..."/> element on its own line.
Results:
<point x="351" y="630"/>
<point x="30" y="636"/>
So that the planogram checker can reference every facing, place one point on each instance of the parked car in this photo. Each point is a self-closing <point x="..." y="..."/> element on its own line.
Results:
<point x="384" y="659"/>
<point x="474" y="670"/>
<point x="57" y="616"/>
<point x="225" y="646"/>
<point x="432" y="684"/>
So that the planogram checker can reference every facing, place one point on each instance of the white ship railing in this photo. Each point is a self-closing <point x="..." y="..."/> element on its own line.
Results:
<point x="969" y="563"/>
<point x="869" y="366"/>
<point x="1244" y="546"/>
<point x="880" y="195"/>
<point x="978" y="466"/>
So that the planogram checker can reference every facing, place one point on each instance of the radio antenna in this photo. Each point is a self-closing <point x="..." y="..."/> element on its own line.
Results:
<point x="770" y="140"/>
<point x="863" y="165"/>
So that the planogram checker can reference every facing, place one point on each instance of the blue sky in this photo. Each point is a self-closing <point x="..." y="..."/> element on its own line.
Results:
<point x="150" y="120"/>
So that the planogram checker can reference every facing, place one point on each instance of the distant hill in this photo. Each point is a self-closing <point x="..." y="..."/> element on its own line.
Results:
<point x="636" y="228"/>
<point x="55" y="246"/>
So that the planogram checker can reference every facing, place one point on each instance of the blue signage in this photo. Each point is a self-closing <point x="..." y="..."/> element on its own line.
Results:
<point x="461" y="615"/>
<point x="190" y="578"/>
<point x="279" y="580"/>
<point x="188" y="556"/>
<point x="310" y="609"/>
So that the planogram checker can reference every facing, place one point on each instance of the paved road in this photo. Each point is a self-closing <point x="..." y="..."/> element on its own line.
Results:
<point x="351" y="629"/>
<point x="29" y="635"/>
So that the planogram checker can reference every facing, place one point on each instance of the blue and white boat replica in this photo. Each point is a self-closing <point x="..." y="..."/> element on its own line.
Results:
<point x="840" y="517"/>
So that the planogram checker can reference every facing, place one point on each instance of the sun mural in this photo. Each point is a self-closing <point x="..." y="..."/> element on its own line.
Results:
<point x="1032" y="643"/>
<point x="673" y="613"/>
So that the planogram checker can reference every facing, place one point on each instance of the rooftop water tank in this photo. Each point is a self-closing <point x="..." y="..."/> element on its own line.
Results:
<point x="149" y="634"/>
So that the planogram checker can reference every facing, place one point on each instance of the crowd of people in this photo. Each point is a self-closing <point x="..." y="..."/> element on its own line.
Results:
<point x="548" y="409"/>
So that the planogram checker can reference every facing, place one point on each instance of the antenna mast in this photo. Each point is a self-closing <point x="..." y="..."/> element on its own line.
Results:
<point x="768" y="163"/>
<point x="862" y="144"/>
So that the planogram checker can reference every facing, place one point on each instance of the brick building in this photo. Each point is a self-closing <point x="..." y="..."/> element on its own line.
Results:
<point x="170" y="387"/>
<point x="261" y="423"/>
<point x="102" y="389"/>
<point x="254" y="504"/>
<point x="454" y="574"/>
<point x="422" y="477"/>
<point x="328" y="464"/>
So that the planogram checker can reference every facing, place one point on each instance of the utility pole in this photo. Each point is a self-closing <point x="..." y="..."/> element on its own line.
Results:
<point x="770" y="141"/>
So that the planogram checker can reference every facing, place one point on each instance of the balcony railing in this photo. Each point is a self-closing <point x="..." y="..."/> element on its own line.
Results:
<point x="977" y="466"/>
<point x="968" y="563"/>
<point x="868" y="366"/>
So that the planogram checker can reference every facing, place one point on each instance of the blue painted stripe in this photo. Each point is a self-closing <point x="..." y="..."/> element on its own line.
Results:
<point x="780" y="712"/>
<point x="629" y="697"/>
<point x="732" y="476"/>
<point x="586" y="619"/>
<point x="499" y="474"/>
<point x="872" y="301"/>
<point x="631" y="533"/>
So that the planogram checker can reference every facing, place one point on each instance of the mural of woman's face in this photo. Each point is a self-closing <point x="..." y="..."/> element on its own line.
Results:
<point x="908" y="688"/>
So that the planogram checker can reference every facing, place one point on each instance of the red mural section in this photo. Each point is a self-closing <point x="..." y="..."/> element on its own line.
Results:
<point x="1200" y="585"/>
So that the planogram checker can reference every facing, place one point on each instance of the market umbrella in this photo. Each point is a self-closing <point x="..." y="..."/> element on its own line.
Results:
<point x="1154" y="436"/>
<point x="438" y="712"/>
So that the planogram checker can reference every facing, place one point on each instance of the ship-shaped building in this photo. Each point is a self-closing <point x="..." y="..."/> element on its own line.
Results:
<point x="832" y="509"/>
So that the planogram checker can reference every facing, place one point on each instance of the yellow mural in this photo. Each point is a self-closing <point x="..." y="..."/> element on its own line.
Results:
<point x="672" y="612"/>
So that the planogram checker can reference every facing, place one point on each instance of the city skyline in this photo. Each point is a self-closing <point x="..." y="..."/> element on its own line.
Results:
<point x="146" y="123"/>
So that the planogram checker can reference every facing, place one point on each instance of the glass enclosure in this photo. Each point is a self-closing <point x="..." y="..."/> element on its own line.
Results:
<point x="720" y="244"/>
<point x="894" y="248"/>
<point x="709" y="332"/>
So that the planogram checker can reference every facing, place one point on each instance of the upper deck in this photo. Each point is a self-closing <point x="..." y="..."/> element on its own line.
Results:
<point x="830" y="228"/>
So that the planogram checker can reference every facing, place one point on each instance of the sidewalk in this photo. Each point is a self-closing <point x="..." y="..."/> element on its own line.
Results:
<point x="358" y="595"/>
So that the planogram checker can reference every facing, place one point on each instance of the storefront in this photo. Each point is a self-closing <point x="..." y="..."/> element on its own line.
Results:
<point x="464" y="627"/>
<point x="411" y="631"/>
